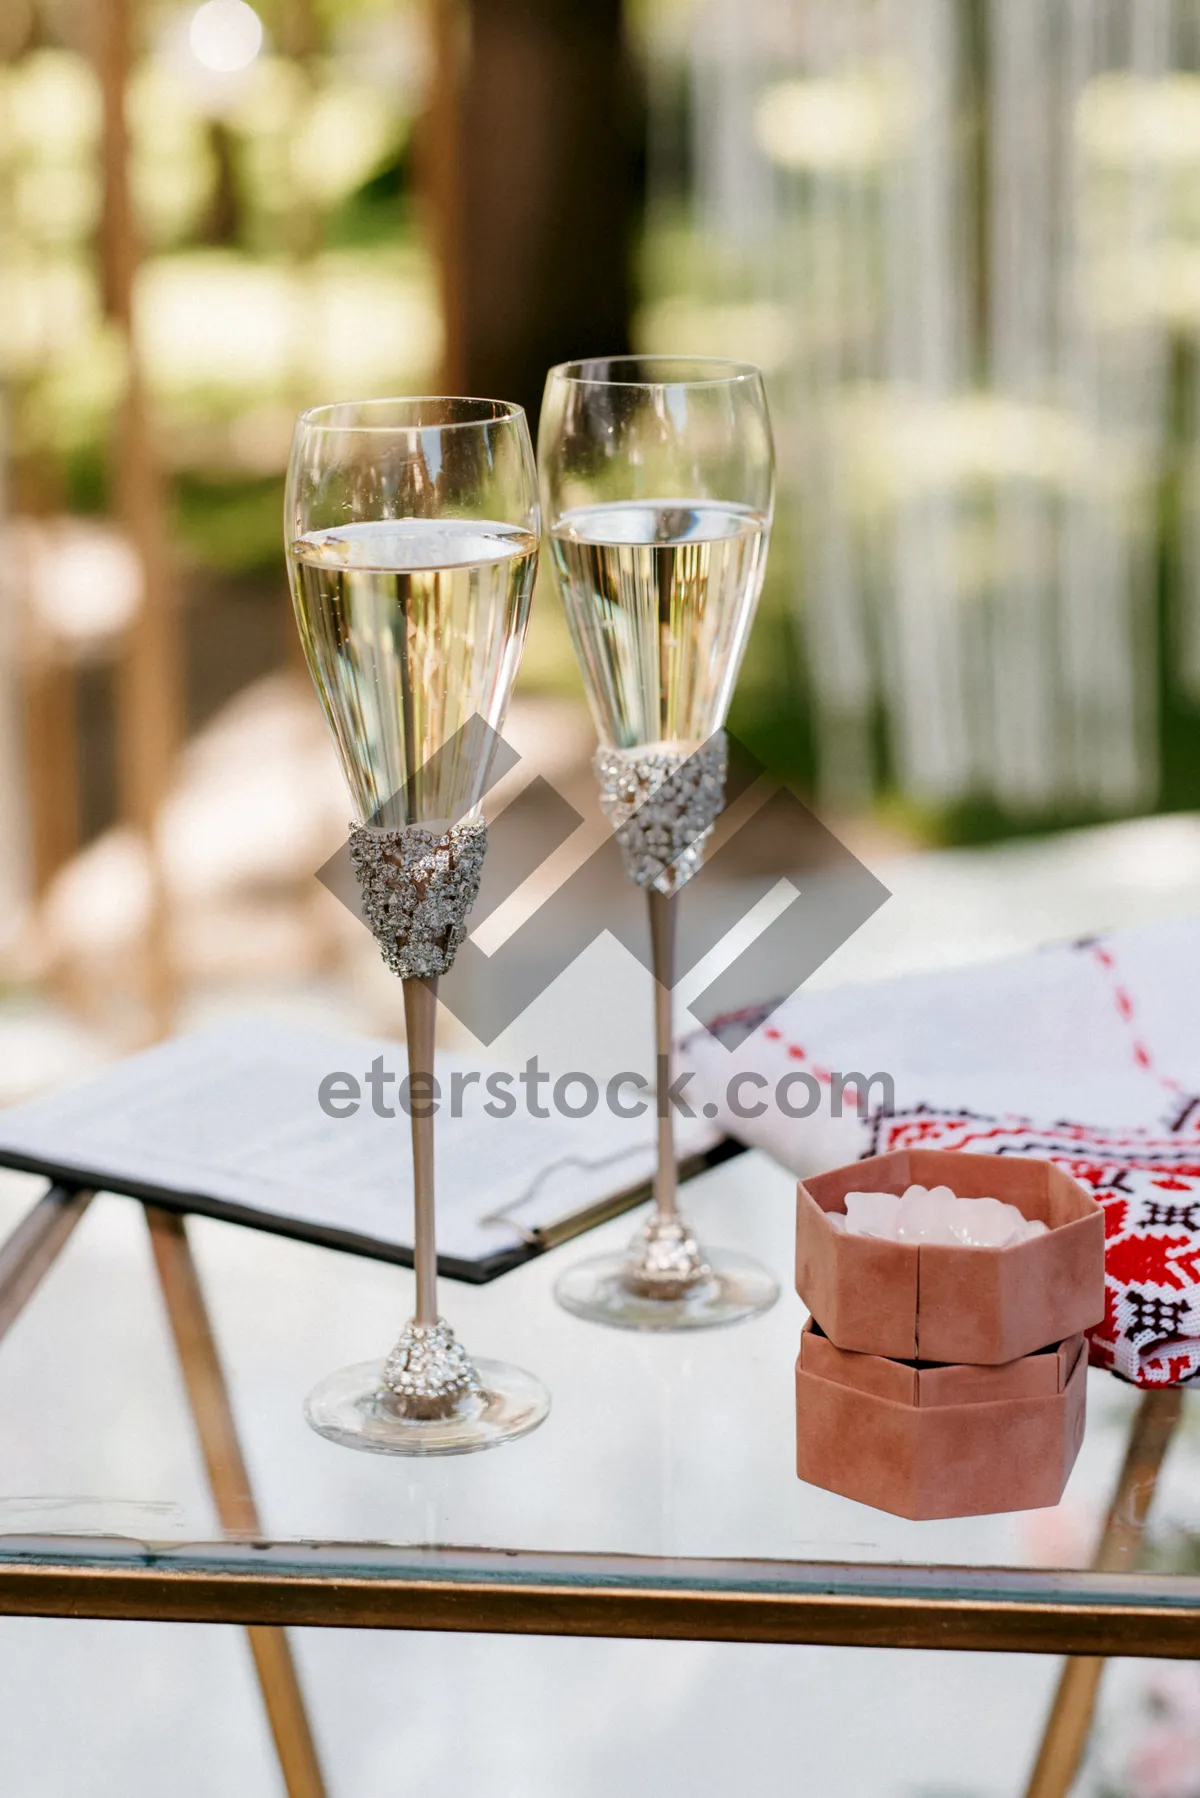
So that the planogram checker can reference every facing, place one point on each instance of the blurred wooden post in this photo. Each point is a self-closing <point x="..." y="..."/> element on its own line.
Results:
<point x="298" y="37"/>
<point x="440" y="177"/>
<point x="149" y="677"/>
<point x="530" y="174"/>
<point x="17" y="806"/>
<point x="51" y="754"/>
<point x="34" y="664"/>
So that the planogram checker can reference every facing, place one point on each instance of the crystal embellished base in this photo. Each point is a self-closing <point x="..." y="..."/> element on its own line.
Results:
<point x="428" y="1372"/>
<point x="662" y="802"/>
<point x="614" y="1290"/>
<point x="664" y="1260"/>
<point x="355" y="1408"/>
<point x="417" y="885"/>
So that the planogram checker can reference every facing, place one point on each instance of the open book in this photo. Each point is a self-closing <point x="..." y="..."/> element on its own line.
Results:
<point x="229" y="1121"/>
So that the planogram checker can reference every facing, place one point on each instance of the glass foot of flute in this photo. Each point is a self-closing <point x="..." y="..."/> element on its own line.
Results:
<point x="606" y="1290"/>
<point x="429" y="1397"/>
<point x="354" y="1408"/>
<point x="665" y="1279"/>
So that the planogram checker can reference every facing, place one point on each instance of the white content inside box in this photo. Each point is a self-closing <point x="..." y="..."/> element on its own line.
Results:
<point x="935" y="1215"/>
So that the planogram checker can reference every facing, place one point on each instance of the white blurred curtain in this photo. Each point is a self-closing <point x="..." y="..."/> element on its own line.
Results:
<point x="977" y="223"/>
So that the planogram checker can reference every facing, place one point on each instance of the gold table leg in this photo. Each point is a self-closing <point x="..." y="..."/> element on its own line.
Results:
<point x="230" y="1486"/>
<point x="27" y="1256"/>
<point x="1070" y="1720"/>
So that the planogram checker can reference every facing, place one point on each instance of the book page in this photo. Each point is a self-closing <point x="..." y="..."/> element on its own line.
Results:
<point x="233" y="1113"/>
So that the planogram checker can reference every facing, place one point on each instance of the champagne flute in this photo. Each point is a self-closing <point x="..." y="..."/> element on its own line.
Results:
<point x="412" y="531"/>
<point x="657" y="480"/>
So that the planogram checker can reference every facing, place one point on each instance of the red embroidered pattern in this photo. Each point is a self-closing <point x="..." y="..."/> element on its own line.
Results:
<point x="1104" y="958"/>
<point x="1149" y="1187"/>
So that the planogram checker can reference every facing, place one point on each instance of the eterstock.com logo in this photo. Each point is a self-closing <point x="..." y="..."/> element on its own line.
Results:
<point x="768" y="836"/>
<point x="576" y="1094"/>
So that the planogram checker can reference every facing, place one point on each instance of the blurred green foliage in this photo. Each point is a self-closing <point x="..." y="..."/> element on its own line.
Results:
<point x="283" y="260"/>
<point x="229" y="526"/>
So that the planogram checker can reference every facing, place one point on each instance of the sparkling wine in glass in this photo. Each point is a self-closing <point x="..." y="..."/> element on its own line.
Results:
<point x="412" y="529"/>
<point x="657" y="480"/>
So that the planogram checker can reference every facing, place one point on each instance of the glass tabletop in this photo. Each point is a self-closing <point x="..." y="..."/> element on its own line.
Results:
<point x="667" y="1463"/>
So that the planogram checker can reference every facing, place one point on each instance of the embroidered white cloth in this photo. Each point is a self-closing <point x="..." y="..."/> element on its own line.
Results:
<point x="1086" y="1053"/>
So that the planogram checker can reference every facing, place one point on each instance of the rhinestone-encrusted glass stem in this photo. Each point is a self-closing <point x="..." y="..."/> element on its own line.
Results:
<point x="662" y="802"/>
<point x="428" y="1372"/>
<point x="664" y="1260"/>
<point x="417" y="886"/>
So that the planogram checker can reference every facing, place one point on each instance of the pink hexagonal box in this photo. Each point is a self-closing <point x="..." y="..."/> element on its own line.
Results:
<point x="946" y="1302"/>
<point x="953" y="1441"/>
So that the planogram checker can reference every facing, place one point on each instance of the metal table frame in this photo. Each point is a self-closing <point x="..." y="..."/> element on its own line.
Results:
<point x="264" y="1586"/>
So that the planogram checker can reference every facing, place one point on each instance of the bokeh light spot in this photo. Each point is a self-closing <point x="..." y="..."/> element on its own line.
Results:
<point x="225" y="35"/>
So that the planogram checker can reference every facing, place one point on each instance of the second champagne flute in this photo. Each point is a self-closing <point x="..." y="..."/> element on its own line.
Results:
<point x="657" y="478"/>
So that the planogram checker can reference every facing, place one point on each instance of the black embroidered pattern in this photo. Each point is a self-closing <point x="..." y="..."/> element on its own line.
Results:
<point x="1155" y="1317"/>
